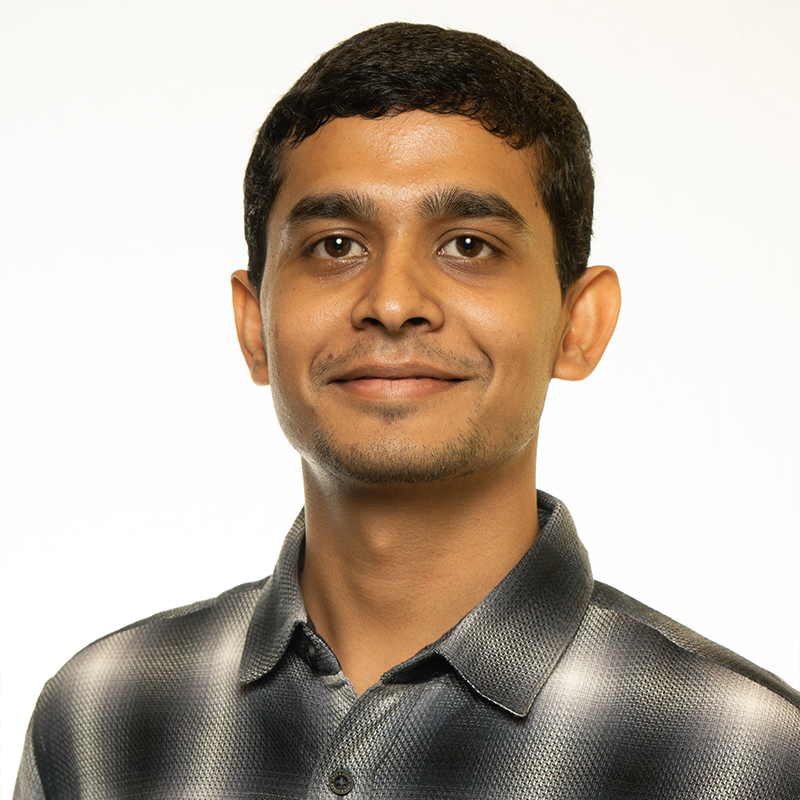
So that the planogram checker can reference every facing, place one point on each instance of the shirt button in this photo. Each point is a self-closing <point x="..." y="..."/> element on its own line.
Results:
<point x="341" y="782"/>
<point x="310" y="654"/>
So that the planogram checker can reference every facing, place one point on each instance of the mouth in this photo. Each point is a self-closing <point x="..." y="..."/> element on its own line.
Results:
<point x="396" y="381"/>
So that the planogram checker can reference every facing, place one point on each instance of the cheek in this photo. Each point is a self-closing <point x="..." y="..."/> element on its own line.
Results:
<point x="520" y="337"/>
<point x="277" y="314"/>
<point x="301" y="328"/>
<point x="507" y="327"/>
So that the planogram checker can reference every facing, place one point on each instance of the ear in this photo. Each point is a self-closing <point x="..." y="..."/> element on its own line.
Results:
<point x="592" y="307"/>
<point x="247" y="311"/>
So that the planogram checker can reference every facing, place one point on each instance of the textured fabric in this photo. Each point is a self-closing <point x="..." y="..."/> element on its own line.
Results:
<point x="553" y="687"/>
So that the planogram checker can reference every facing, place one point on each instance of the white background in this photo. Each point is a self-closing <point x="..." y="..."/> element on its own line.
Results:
<point x="142" y="470"/>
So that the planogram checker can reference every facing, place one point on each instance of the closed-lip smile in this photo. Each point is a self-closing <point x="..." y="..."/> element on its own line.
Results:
<point x="396" y="381"/>
<point x="397" y="371"/>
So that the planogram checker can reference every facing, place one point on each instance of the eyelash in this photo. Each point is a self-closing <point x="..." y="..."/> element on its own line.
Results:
<point x="334" y="238"/>
<point x="464" y="237"/>
<point x="350" y="242"/>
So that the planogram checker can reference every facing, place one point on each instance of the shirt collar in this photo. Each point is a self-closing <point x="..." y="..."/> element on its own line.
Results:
<point x="278" y="611"/>
<point x="505" y="648"/>
<point x="508" y="645"/>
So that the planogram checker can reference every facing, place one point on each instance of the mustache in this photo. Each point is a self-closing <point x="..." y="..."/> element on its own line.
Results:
<point x="409" y="350"/>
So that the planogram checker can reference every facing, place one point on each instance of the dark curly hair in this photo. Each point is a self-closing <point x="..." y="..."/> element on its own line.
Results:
<point x="399" y="67"/>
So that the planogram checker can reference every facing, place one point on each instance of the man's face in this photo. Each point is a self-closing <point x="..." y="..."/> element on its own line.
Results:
<point x="411" y="306"/>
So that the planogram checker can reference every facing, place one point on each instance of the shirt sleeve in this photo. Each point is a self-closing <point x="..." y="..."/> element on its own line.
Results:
<point x="29" y="783"/>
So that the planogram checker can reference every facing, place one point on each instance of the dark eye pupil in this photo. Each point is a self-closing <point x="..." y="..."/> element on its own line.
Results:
<point x="337" y="246"/>
<point x="468" y="245"/>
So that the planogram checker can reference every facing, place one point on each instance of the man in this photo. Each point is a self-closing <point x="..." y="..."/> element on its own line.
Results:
<point x="418" y="215"/>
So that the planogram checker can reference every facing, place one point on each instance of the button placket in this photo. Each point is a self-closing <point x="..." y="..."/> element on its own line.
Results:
<point x="362" y="740"/>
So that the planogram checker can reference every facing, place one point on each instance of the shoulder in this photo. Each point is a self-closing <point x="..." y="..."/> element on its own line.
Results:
<point x="726" y="719"/>
<point x="172" y="647"/>
<point x="226" y="607"/>
<point x="674" y="709"/>
<point x="653" y="631"/>
<point x="143" y="685"/>
<point x="218" y="614"/>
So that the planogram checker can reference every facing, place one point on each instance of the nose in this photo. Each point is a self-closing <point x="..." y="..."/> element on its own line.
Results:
<point x="399" y="294"/>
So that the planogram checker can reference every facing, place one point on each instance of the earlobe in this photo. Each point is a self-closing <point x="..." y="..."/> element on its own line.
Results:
<point x="592" y="306"/>
<point x="247" y="313"/>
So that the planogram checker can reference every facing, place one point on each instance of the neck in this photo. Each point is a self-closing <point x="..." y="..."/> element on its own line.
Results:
<point x="389" y="569"/>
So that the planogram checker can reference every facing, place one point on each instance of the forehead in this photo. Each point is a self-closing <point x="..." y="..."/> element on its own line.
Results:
<point x="397" y="160"/>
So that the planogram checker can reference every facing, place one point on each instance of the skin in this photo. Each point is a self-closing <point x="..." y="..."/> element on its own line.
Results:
<point x="409" y="323"/>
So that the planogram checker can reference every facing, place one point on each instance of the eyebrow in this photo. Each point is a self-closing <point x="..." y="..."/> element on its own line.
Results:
<point x="449" y="202"/>
<point x="457" y="202"/>
<point x="336" y="205"/>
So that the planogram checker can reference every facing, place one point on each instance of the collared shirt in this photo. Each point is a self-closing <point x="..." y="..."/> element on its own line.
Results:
<point x="554" y="686"/>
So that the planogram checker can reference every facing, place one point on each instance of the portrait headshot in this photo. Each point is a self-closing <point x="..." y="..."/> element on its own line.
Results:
<point x="400" y="400"/>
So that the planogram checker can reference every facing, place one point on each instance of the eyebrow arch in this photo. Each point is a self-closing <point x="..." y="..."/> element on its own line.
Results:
<point x="454" y="201"/>
<point x="335" y="205"/>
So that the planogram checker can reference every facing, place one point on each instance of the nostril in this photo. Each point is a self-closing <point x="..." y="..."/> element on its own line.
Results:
<point x="411" y="322"/>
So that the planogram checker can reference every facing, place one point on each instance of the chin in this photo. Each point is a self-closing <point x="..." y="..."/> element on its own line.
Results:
<point x="398" y="461"/>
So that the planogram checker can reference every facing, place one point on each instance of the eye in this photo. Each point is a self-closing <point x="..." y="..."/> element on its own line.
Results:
<point x="467" y="247"/>
<point x="337" y="247"/>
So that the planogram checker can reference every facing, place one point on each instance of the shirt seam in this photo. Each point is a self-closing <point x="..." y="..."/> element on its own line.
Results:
<point x="707" y="657"/>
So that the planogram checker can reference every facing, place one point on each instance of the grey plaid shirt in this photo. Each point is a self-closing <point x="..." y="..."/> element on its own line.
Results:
<point x="553" y="687"/>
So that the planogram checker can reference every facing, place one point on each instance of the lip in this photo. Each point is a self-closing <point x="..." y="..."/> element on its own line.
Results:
<point x="370" y="388"/>
<point x="396" y="371"/>
<point x="406" y="381"/>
